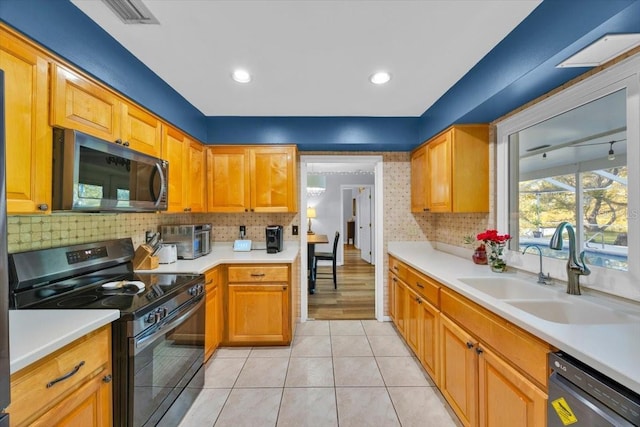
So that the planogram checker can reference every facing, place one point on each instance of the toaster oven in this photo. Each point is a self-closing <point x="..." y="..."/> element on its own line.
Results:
<point x="192" y="241"/>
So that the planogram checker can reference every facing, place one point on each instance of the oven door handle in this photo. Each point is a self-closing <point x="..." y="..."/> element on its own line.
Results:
<point x="142" y="343"/>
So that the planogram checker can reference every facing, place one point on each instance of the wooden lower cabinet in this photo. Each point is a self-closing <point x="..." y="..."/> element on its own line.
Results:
<point x="213" y="313"/>
<point x="459" y="375"/>
<point x="259" y="314"/>
<point x="506" y="397"/>
<point x="81" y="399"/>
<point x="258" y="305"/>
<point x="490" y="371"/>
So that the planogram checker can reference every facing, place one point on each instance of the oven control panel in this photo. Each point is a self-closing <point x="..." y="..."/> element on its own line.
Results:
<point x="82" y="255"/>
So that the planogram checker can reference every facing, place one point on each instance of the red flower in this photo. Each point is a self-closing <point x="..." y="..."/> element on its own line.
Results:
<point x="492" y="236"/>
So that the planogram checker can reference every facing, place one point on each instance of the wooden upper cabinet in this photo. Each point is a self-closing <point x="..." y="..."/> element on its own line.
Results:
<point x="27" y="132"/>
<point x="227" y="179"/>
<point x="196" y="177"/>
<point x="252" y="178"/>
<point x="439" y="169"/>
<point x="450" y="172"/>
<point x="273" y="185"/>
<point x="141" y="130"/>
<point x="419" y="191"/>
<point x="174" y="149"/>
<point x="187" y="174"/>
<point x="78" y="103"/>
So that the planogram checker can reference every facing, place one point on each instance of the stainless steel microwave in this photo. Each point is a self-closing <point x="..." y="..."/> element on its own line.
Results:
<point x="90" y="174"/>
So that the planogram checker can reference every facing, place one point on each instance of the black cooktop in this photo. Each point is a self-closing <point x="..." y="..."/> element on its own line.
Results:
<point x="128" y="299"/>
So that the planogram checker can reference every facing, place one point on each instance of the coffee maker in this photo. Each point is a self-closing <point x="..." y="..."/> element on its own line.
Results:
<point x="275" y="238"/>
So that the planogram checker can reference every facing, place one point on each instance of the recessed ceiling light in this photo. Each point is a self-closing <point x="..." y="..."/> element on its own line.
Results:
<point x="380" y="78"/>
<point x="602" y="50"/>
<point x="241" y="76"/>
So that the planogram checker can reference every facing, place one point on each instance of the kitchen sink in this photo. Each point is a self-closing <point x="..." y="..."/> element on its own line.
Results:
<point x="509" y="288"/>
<point x="572" y="312"/>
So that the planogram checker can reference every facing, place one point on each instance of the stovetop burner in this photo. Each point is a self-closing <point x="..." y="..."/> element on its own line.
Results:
<point x="79" y="301"/>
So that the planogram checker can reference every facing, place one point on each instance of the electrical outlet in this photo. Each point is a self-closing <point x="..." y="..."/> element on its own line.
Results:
<point x="294" y="230"/>
<point x="243" y="231"/>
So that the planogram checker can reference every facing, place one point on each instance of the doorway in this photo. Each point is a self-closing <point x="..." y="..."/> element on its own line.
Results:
<point x="352" y="184"/>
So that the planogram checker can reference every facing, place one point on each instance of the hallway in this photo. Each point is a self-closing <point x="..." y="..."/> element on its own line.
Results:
<point x="355" y="296"/>
<point x="336" y="373"/>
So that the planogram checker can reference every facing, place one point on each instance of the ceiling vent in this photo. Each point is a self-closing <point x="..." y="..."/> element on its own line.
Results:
<point x="602" y="50"/>
<point x="131" y="11"/>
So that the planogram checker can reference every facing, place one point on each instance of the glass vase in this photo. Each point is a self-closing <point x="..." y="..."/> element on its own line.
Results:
<point x="479" y="256"/>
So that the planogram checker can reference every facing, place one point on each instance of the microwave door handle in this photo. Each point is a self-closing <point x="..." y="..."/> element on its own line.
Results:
<point x="163" y="183"/>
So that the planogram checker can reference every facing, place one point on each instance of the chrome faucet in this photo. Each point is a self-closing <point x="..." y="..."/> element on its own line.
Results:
<point x="542" y="279"/>
<point x="575" y="269"/>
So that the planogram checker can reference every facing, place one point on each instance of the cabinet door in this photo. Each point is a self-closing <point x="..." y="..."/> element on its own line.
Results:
<point x="419" y="180"/>
<point x="392" y="295"/>
<point x="401" y="299"/>
<point x="429" y="320"/>
<point x="227" y="180"/>
<point x="27" y="132"/>
<point x="273" y="187"/>
<point x="80" y="104"/>
<point x="197" y="177"/>
<point x="439" y="164"/>
<point x="413" y="326"/>
<point x="89" y="406"/>
<point x="141" y="130"/>
<point x="259" y="313"/>
<point x="459" y="371"/>
<point x="506" y="397"/>
<point x="174" y="149"/>
<point x="213" y="314"/>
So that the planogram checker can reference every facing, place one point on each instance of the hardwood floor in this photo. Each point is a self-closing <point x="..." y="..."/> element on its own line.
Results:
<point x="355" y="296"/>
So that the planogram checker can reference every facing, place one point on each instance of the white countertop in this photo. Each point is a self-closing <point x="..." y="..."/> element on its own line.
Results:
<point x="33" y="334"/>
<point x="613" y="349"/>
<point x="222" y="253"/>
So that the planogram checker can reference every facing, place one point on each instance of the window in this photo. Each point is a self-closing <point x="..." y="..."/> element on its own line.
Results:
<point x="575" y="157"/>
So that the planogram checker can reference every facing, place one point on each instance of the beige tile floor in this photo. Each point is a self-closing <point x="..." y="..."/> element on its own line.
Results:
<point x="336" y="373"/>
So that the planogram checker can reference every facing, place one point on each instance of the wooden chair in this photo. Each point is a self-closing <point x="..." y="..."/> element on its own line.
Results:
<point x="329" y="256"/>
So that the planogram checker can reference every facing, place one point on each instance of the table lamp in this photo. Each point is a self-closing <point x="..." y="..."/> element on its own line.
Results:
<point x="311" y="213"/>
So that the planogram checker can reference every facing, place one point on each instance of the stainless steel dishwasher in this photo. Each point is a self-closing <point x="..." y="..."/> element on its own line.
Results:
<point x="580" y="396"/>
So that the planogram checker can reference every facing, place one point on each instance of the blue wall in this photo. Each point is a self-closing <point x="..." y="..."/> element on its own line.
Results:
<point x="519" y="69"/>
<point x="318" y="133"/>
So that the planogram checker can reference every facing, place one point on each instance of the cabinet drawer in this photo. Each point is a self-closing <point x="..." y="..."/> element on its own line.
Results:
<point x="29" y="392"/>
<point x="398" y="268"/>
<point x="258" y="273"/>
<point x="424" y="286"/>
<point x="526" y="352"/>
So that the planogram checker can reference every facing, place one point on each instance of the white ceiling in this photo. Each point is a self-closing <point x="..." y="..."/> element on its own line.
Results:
<point x="313" y="58"/>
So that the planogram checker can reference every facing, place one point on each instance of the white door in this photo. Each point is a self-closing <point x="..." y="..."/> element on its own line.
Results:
<point x="365" y="222"/>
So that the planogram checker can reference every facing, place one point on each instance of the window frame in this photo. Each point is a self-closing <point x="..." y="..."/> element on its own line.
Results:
<point x="623" y="75"/>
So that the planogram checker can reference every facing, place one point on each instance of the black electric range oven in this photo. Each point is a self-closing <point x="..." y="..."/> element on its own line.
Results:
<point x="158" y="341"/>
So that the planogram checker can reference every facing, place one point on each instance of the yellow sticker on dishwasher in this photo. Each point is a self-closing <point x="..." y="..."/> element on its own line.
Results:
<point x="564" y="411"/>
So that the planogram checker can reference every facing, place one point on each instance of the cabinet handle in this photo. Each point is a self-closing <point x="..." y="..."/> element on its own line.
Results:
<point x="43" y="207"/>
<point x="107" y="378"/>
<point x="209" y="282"/>
<point x="118" y="141"/>
<point x="394" y="279"/>
<point x="469" y="344"/>
<point x="246" y="210"/>
<point x="419" y="285"/>
<point x="67" y="375"/>
<point x="126" y="143"/>
<point x="257" y="274"/>
<point x="284" y="288"/>
<point x="479" y="350"/>
<point x="426" y="209"/>
<point x="395" y="267"/>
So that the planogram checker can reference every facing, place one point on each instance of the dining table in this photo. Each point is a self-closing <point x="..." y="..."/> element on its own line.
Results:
<point x="312" y="241"/>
